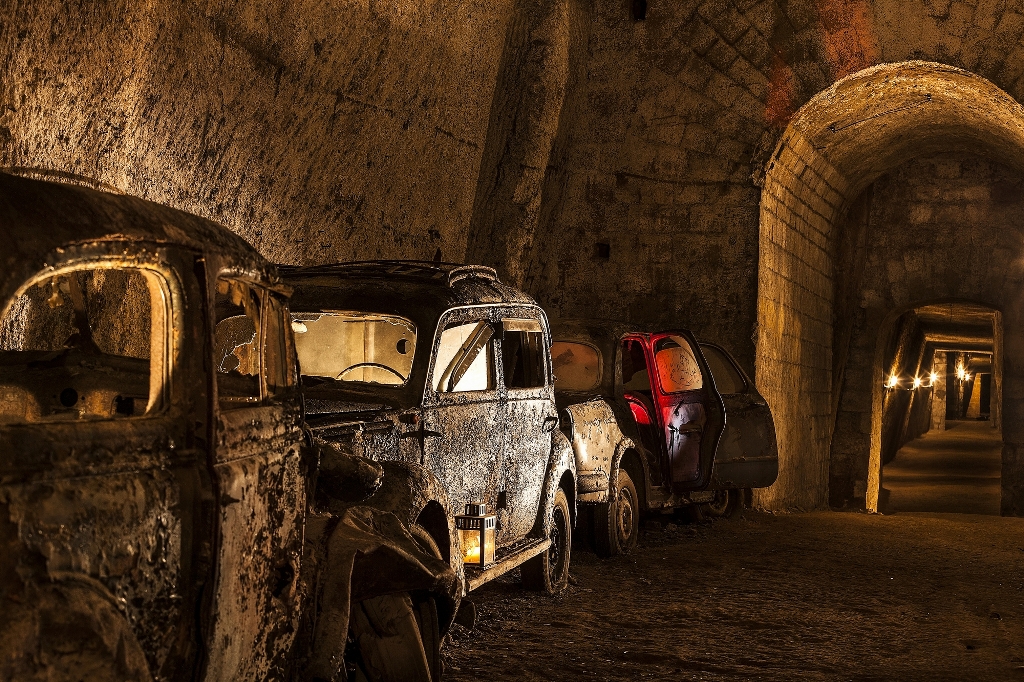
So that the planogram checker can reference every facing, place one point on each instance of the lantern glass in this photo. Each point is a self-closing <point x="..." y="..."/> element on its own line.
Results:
<point x="476" y="537"/>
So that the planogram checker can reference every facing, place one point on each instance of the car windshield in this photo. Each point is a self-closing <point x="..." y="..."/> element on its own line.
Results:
<point x="577" y="366"/>
<point x="355" y="346"/>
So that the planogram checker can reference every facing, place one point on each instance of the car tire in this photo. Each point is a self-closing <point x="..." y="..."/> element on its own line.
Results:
<point x="727" y="504"/>
<point x="392" y="636"/>
<point x="549" y="571"/>
<point x="617" y="522"/>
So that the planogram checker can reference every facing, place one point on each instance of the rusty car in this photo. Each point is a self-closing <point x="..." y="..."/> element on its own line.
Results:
<point x="157" y="484"/>
<point x="442" y="373"/>
<point x="657" y="421"/>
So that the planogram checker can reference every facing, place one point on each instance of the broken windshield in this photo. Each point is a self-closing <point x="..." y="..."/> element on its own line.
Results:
<point x="355" y="347"/>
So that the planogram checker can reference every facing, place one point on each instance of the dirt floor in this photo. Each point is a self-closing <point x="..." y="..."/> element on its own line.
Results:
<point x="956" y="470"/>
<point x="820" y="596"/>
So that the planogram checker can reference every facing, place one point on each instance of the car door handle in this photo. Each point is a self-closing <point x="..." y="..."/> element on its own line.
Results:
<point x="550" y="423"/>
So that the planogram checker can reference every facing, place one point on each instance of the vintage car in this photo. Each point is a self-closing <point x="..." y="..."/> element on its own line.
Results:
<point x="154" y="468"/>
<point x="657" y="421"/>
<point x="443" y="373"/>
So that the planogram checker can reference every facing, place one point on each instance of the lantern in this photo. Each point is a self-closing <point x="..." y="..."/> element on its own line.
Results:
<point x="476" y="534"/>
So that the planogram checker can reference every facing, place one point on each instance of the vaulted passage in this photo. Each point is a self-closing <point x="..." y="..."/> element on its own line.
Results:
<point x="889" y="191"/>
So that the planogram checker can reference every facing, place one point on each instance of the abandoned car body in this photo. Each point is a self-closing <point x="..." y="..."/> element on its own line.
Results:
<point x="656" y="420"/>
<point x="443" y="373"/>
<point x="155" y="473"/>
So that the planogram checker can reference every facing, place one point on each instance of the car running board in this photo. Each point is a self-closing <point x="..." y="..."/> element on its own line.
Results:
<point x="475" y="577"/>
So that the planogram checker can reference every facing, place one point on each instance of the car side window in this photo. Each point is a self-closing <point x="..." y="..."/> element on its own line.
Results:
<point x="465" y="358"/>
<point x="728" y="379"/>
<point x="89" y="343"/>
<point x="522" y="353"/>
<point x="238" y="310"/>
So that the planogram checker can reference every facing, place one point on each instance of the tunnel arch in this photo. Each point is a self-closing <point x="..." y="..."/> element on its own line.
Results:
<point x="836" y="145"/>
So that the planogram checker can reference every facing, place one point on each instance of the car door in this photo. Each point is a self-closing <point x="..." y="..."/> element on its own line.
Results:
<point x="462" y="410"/>
<point x="530" y="418"/>
<point x="689" y="410"/>
<point x="748" y="454"/>
<point x="97" y="468"/>
<point x="253" y="612"/>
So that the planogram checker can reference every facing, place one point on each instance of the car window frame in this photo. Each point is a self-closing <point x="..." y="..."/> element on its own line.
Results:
<point x="454" y="317"/>
<point x="266" y="291"/>
<point x="520" y="312"/>
<point x="728" y="358"/>
<point x="170" y="287"/>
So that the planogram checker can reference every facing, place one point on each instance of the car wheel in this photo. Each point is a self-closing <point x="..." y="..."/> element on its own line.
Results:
<point x="727" y="504"/>
<point x="392" y="637"/>
<point x="549" y="571"/>
<point x="617" y="523"/>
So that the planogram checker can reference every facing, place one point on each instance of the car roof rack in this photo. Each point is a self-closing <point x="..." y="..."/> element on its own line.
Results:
<point x="451" y="273"/>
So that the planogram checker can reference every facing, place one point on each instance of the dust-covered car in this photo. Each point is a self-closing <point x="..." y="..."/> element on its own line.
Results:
<point x="443" y="373"/>
<point x="656" y="420"/>
<point x="154" y="469"/>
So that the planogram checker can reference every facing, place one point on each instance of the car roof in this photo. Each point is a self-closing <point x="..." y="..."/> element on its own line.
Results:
<point x="39" y="218"/>
<point x="416" y="289"/>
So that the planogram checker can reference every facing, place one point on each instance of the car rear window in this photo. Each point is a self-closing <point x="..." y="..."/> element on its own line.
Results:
<point x="727" y="378"/>
<point x="355" y="346"/>
<point x="577" y="366"/>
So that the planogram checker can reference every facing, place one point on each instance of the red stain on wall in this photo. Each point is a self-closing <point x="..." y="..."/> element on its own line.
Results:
<point x="779" y="107"/>
<point x="848" y="35"/>
<point x="847" y="38"/>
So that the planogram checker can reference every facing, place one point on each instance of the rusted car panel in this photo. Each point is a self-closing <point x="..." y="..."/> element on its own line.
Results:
<point x="598" y="442"/>
<point x="154" y="477"/>
<point x="459" y="394"/>
<point x="748" y="454"/>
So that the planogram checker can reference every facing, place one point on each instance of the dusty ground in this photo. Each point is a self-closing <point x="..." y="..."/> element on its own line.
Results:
<point x="821" y="596"/>
<point x="956" y="470"/>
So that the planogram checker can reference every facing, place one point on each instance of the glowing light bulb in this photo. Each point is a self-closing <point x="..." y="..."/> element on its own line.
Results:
<point x="917" y="382"/>
<point x="893" y="380"/>
<point x="933" y="377"/>
<point x="960" y="373"/>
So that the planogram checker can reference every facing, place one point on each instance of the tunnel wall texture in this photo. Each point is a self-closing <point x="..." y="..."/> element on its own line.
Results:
<point x="940" y="228"/>
<point x="611" y="166"/>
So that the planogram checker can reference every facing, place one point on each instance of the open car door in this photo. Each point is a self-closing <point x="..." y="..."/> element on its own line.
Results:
<point x="668" y="385"/>
<point x="748" y="454"/>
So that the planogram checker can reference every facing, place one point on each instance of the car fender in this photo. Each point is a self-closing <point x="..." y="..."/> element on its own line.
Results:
<point x="561" y="461"/>
<point x="599" y="443"/>
<point x="406" y="491"/>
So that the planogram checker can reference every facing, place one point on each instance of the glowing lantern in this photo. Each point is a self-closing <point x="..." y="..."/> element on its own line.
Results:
<point x="476" y="534"/>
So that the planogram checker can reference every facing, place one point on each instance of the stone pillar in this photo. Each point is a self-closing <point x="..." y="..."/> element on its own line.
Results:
<point x="938" y="422"/>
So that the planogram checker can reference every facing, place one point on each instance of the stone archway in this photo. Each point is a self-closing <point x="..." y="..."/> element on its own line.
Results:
<point x="835" y="146"/>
